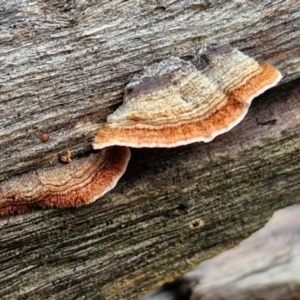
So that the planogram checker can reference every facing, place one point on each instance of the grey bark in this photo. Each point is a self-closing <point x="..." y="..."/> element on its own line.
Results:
<point x="63" y="69"/>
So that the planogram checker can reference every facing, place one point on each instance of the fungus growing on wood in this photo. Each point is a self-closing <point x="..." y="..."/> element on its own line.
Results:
<point x="78" y="183"/>
<point x="177" y="102"/>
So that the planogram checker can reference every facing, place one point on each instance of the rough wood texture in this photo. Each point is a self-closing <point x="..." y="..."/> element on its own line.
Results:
<point x="264" y="266"/>
<point x="63" y="69"/>
<point x="63" y="65"/>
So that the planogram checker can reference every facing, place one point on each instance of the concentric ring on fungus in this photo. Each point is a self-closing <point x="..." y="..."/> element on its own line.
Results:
<point x="78" y="183"/>
<point x="177" y="102"/>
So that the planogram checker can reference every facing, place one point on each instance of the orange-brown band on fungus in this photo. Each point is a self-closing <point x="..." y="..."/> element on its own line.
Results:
<point x="79" y="183"/>
<point x="182" y="134"/>
<point x="263" y="80"/>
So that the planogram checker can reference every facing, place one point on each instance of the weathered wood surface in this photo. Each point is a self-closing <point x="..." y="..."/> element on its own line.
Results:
<point x="65" y="65"/>
<point x="63" y="68"/>
<point x="264" y="266"/>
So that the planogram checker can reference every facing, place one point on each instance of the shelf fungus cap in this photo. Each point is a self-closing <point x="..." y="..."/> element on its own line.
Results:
<point x="177" y="102"/>
<point x="81" y="182"/>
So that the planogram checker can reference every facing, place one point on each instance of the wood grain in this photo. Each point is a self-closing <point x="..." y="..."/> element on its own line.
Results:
<point x="139" y="235"/>
<point x="63" y="65"/>
<point x="63" y="69"/>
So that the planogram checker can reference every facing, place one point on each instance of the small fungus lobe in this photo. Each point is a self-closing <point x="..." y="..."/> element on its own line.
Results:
<point x="81" y="182"/>
<point x="177" y="102"/>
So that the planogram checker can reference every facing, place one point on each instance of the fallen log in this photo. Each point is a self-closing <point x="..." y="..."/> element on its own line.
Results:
<point x="63" y="70"/>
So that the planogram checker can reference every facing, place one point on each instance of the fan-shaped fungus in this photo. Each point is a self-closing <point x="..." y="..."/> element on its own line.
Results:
<point x="177" y="102"/>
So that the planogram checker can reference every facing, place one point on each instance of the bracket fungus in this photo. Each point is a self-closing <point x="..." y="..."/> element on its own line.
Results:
<point x="78" y="183"/>
<point x="177" y="102"/>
